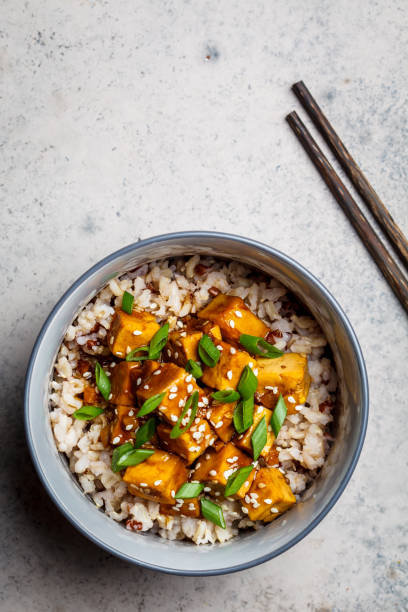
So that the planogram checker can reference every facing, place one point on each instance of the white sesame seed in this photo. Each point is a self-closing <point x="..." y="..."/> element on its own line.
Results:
<point x="282" y="470"/>
<point x="299" y="408"/>
<point x="190" y="388"/>
<point x="219" y="424"/>
<point x="173" y="418"/>
<point x="200" y="405"/>
<point x="116" y="440"/>
<point x="207" y="489"/>
<point x="212" y="473"/>
<point x="255" y="371"/>
<point x="260" y="409"/>
<point x="244" y="510"/>
<point x="228" y="473"/>
<point x="212" y="441"/>
<point x="173" y="493"/>
<point x="166" y="458"/>
<point x="197" y="420"/>
<point x="137" y="332"/>
<point x="233" y="350"/>
<point x="188" y="378"/>
<point x="246" y="483"/>
<point x="268" y="501"/>
<point x="232" y="324"/>
<point x="129" y="427"/>
<point x="153" y="305"/>
<point x="111" y="341"/>
<point x="139" y="380"/>
<point x="157" y="482"/>
<point x="183" y="334"/>
<point x="291" y="399"/>
<point x="247" y="499"/>
<point x="198" y="465"/>
<point x="143" y="484"/>
<point x="274" y="510"/>
<point x="146" y="387"/>
<point x="238" y="314"/>
<point x="131" y="412"/>
<point x="197" y="435"/>
<point x="176" y="355"/>
<point x="205" y="401"/>
<point x="110" y="396"/>
<point x="261" y="485"/>
<point x="217" y="493"/>
<point x="230" y="460"/>
<point x="251" y="364"/>
<point x="219" y="347"/>
<point x="207" y="456"/>
<point x="168" y="352"/>
<point x="128" y="349"/>
<point x="172" y="396"/>
<point x="87" y="375"/>
<point x="229" y="374"/>
<point x="180" y="324"/>
<point x="119" y="353"/>
<point x="181" y="403"/>
<point x="156" y="372"/>
<point x="191" y="506"/>
<point x="255" y="504"/>
<point x="108" y="373"/>
<point x="202" y="427"/>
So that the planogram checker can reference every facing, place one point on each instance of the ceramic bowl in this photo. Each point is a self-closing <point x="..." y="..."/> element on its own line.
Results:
<point x="251" y="547"/>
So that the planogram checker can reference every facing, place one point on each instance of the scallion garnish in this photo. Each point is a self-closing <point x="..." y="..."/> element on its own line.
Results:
<point x="193" y="368"/>
<point x="158" y="342"/>
<point x="208" y="352"/>
<point x="237" y="479"/>
<point x="150" y="404"/>
<point x="133" y="355"/>
<point x="212" y="512"/>
<point x="126" y="456"/>
<point x="259" y="438"/>
<point x="279" y="415"/>
<point x="243" y="416"/>
<point x="188" y="490"/>
<point x="193" y="402"/>
<point x="86" y="413"/>
<point x="259" y="346"/>
<point x="127" y="302"/>
<point x="102" y="381"/>
<point x="247" y="383"/>
<point x="227" y="396"/>
<point x="145" y="432"/>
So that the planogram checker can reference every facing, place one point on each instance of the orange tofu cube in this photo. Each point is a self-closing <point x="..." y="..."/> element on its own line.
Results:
<point x="158" y="478"/>
<point x="220" y="417"/>
<point x="227" y="372"/>
<point x="125" y="424"/>
<point x="215" y="467"/>
<point x="269" y="496"/>
<point x="233" y="317"/>
<point x="288" y="375"/>
<point x="192" y="443"/>
<point x="172" y="380"/>
<point x="121" y="382"/>
<point x="244" y="440"/>
<point x="91" y="396"/>
<point x="183" y="507"/>
<point x="128" y="332"/>
<point x="182" y="346"/>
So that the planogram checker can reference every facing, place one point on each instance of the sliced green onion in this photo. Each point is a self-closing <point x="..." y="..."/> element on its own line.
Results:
<point x="158" y="342"/>
<point x="188" y="490"/>
<point x="259" y="438"/>
<point x="150" y="404"/>
<point x="86" y="413"/>
<point x="259" y="346"/>
<point x="127" y="302"/>
<point x="126" y="456"/>
<point x="212" y="512"/>
<point x="243" y="416"/>
<point x="193" y="368"/>
<point x="133" y="355"/>
<point x="227" y="396"/>
<point x="145" y="432"/>
<point x="102" y="381"/>
<point x="208" y="352"/>
<point x="247" y="383"/>
<point x="279" y="415"/>
<point x="237" y="479"/>
<point x="192" y="401"/>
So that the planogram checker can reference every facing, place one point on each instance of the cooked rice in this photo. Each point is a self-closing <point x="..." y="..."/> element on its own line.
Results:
<point x="172" y="289"/>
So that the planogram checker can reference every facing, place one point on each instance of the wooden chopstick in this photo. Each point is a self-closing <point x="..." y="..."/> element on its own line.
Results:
<point x="353" y="171"/>
<point x="377" y="250"/>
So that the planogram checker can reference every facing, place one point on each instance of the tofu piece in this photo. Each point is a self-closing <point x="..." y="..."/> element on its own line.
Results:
<point x="190" y="444"/>
<point x="127" y="332"/>
<point x="172" y="380"/>
<point x="125" y="424"/>
<point x="269" y="496"/>
<point x="91" y="396"/>
<point x="288" y="375"/>
<point x="215" y="467"/>
<point x="158" y="478"/>
<point x="233" y="317"/>
<point x="220" y="417"/>
<point x="121" y="382"/>
<point x="187" y="507"/>
<point x="227" y="372"/>
<point x="182" y="346"/>
<point x="244" y="440"/>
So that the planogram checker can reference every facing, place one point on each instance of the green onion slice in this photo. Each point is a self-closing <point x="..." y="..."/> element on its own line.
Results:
<point x="237" y="479"/>
<point x="145" y="432"/>
<point x="259" y="438"/>
<point x="193" y="368"/>
<point x="188" y="490"/>
<point x="102" y="381"/>
<point x="127" y="302"/>
<point x="243" y="416"/>
<point x="259" y="346"/>
<point x="279" y="415"/>
<point x="192" y="401"/>
<point x="208" y="352"/>
<point x="212" y="512"/>
<point x="86" y="413"/>
<point x="126" y="456"/>
<point x="158" y="342"/>
<point x="247" y="383"/>
<point x="150" y="404"/>
<point x="227" y="396"/>
<point x="133" y="355"/>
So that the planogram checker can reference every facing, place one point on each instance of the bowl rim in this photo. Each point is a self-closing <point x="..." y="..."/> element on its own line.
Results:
<point x="348" y="329"/>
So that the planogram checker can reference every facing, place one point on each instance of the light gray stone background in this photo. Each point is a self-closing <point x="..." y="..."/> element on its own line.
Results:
<point x="125" y="119"/>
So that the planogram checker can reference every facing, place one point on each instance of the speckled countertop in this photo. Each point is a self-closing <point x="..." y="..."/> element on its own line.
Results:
<point x="126" y="119"/>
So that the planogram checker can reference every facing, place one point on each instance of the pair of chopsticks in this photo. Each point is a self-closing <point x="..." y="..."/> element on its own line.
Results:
<point x="384" y="260"/>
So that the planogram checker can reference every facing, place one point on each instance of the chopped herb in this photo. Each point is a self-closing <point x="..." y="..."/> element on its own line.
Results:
<point x="212" y="512"/>
<point x="145" y="432"/>
<point x="259" y="346"/>
<point x="158" y="342"/>
<point x="279" y="415"/>
<point x="127" y="302"/>
<point x="126" y="456"/>
<point x="227" y="396"/>
<point x="247" y="383"/>
<point x="193" y="368"/>
<point x="102" y="381"/>
<point x="192" y="401"/>
<point x="133" y="355"/>
<point x="188" y="490"/>
<point x="208" y="352"/>
<point x="259" y="438"/>
<point x="86" y="413"/>
<point x="237" y="479"/>
<point x="150" y="404"/>
<point x="244" y="415"/>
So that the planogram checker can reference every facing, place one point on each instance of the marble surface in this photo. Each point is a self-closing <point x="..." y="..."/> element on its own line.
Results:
<point x="121" y="120"/>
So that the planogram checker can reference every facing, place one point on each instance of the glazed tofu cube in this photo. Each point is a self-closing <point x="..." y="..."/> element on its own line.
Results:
<point x="121" y="382"/>
<point x="287" y="375"/>
<point x="190" y="444"/>
<point x="182" y="346"/>
<point x="220" y="417"/>
<point x="125" y="424"/>
<point x="128" y="332"/>
<point x="269" y="496"/>
<point x="233" y="317"/>
<point x="158" y="478"/>
<point x="91" y="396"/>
<point x="227" y="372"/>
<point x="244" y="440"/>
<point x="215" y="467"/>
<point x="175" y="382"/>
<point x="183" y="507"/>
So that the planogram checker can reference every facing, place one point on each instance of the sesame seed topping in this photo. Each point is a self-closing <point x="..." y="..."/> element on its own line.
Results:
<point x="190" y="388"/>
<point x="116" y="440"/>
<point x="205" y="401"/>
<point x="111" y="340"/>
<point x="131" y="413"/>
<point x="143" y="484"/>
<point x="137" y="332"/>
<point x="268" y="501"/>
<point x="261" y="485"/>
<point x="146" y="387"/>
<point x="298" y="408"/>
<point x="251" y="364"/>
<point x="291" y="399"/>
<point x="176" y="355"/>
<point x="119" y="353"/>
<point x="173" y="418"/>
<point x="139" y="380"/>
<point x="219" y="347"/>
<point x="212" y="473"/>
<point x="172" y="396"/>
<point x="180" y="324"/>
<point x="233" y="350"/>
<point x="219" y="424"/>
<point x="274" y="510"/>
<point x="238" y="314"/>
<point x="173" y="493"/>
<point x="212" y="441"/>
<point x="110" y="396"/>
<point x="157" y="372"/>
<point x="188" y="378"/>
<point x="157" y="482"/>
<point x="255" y="371"/>
<point x="129" y="427"/>
<point x="207" y="489"/>
<point x="202" y="427"/>
<point x="232" y="324"/>
<point x="181" y="403"/>
<point x="168" y="352"/>
<point x="191" y="506"/>
<point x="229" y="374"/>
<point x="244" y="510"/>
